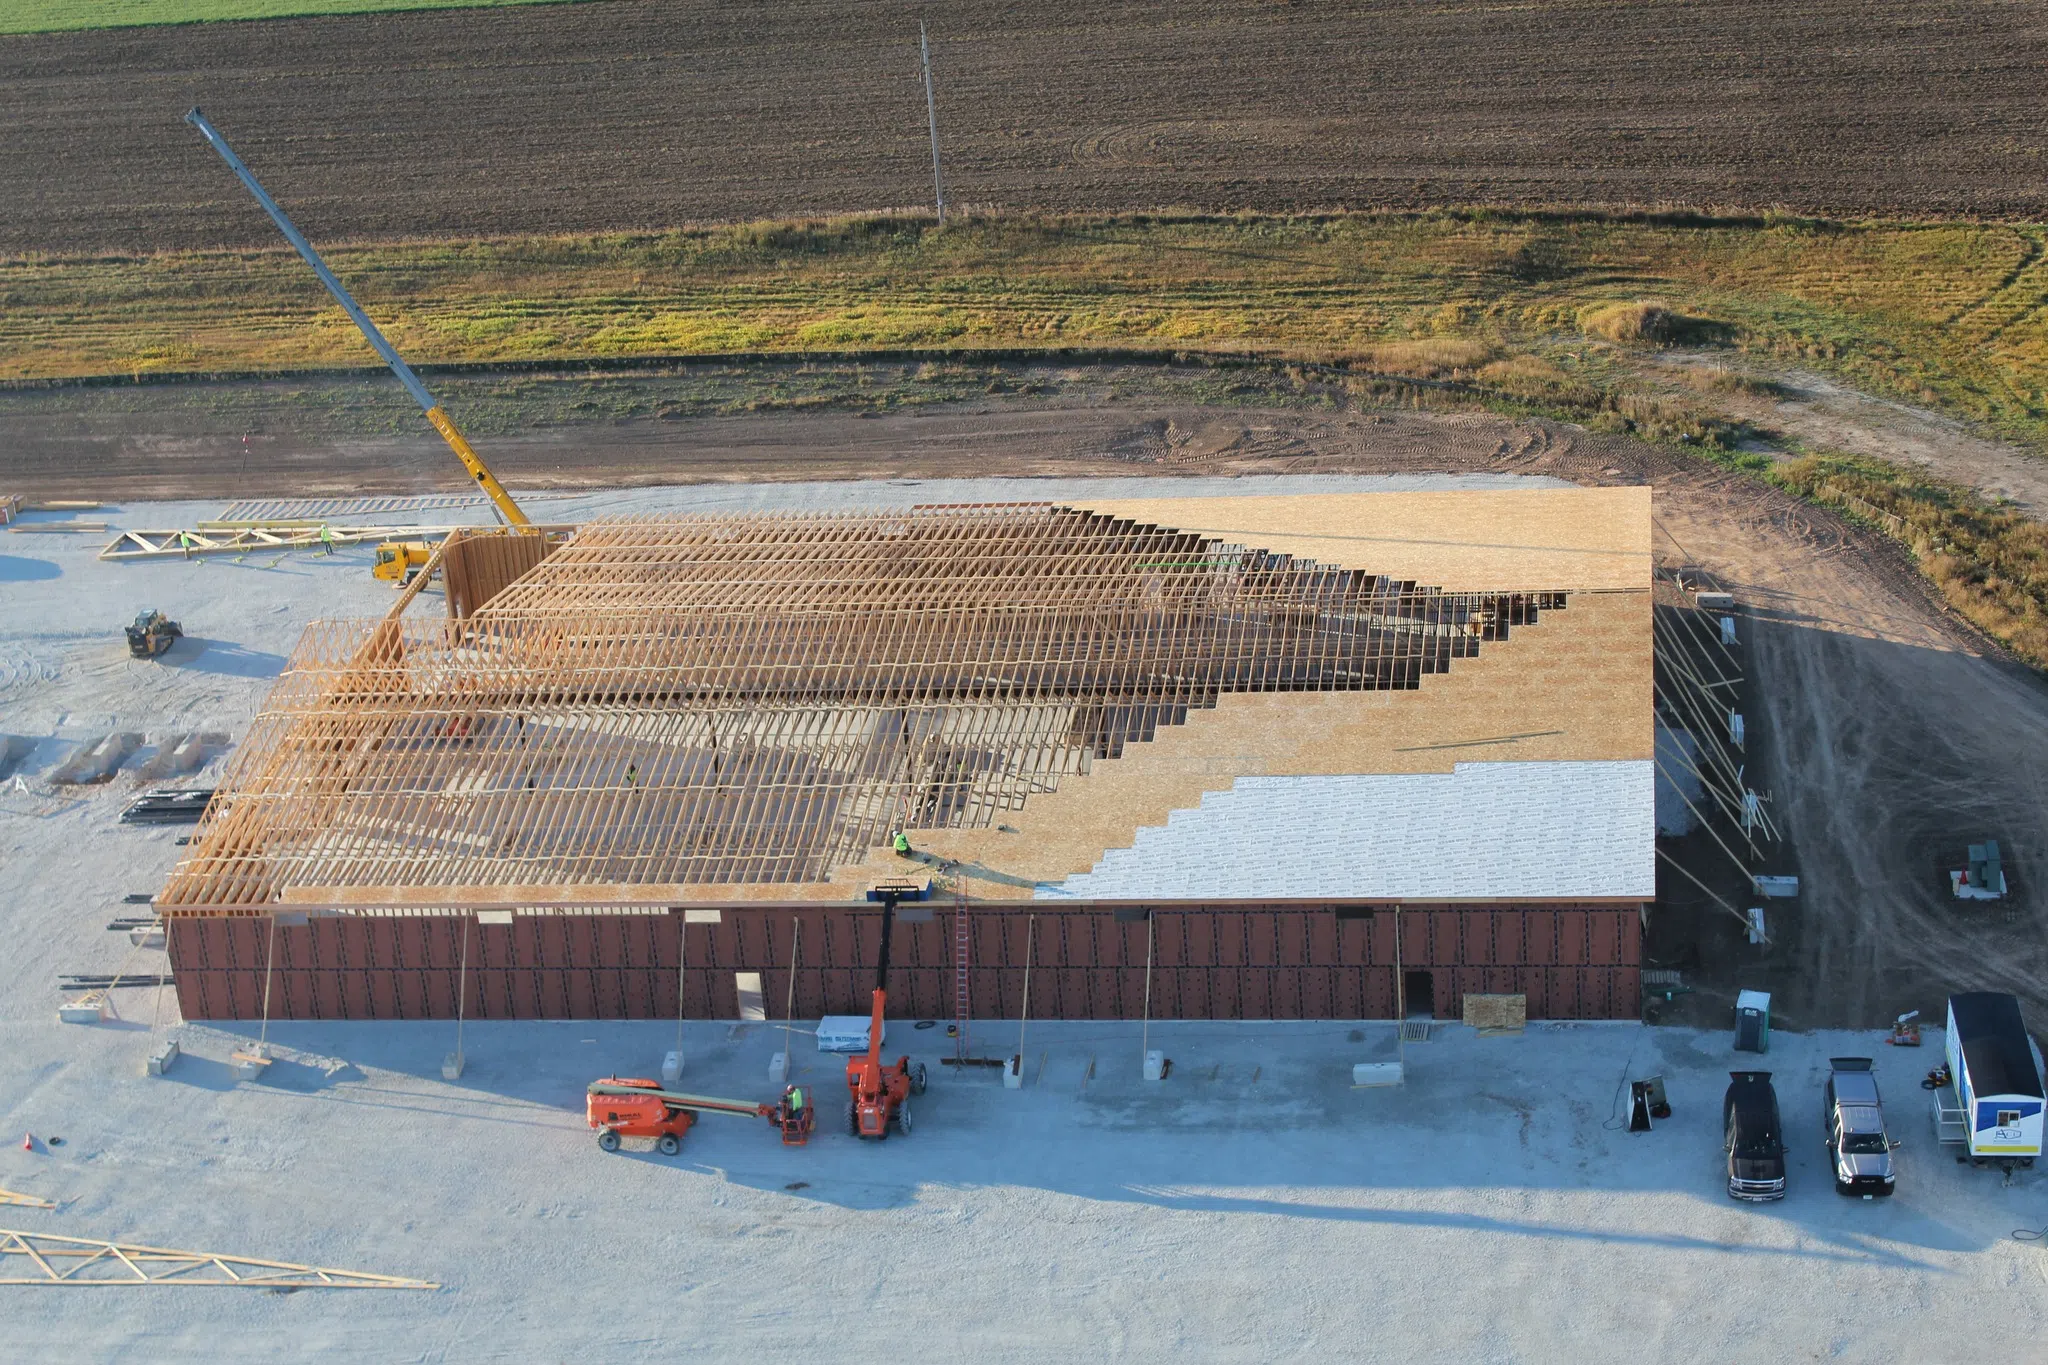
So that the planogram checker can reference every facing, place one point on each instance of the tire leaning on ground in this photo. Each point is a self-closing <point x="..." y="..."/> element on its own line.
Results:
<point x="608" y="1140"/>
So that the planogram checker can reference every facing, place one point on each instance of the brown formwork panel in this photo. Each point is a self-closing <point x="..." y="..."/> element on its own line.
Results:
<point x="1209" y="961"/>
<point x="478" y="565"/>
<point x="1477" y="949"/>
<point x="1509" y="935"/>
<point x="1572" y="944"/>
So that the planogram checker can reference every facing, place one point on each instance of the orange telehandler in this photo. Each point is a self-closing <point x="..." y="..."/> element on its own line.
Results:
<point x="878" y="1095"/>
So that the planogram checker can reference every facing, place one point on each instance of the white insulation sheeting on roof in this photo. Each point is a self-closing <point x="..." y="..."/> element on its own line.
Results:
<point x="1483" y="831"/>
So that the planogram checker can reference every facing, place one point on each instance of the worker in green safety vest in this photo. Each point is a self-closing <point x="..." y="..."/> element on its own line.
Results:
<point x="902" y="844"/>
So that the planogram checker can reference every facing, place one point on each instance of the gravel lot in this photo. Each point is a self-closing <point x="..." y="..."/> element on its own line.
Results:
<point x="1252" y="1204"/>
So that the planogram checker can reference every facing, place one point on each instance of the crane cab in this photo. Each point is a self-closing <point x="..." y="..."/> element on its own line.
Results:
<point x="398" y="560"/>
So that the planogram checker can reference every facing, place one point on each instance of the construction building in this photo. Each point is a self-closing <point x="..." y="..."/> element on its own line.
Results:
<point x="1335" y="756"/>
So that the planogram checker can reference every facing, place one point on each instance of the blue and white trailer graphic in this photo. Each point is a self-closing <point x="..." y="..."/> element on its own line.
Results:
<point x="1996" y="1074"/>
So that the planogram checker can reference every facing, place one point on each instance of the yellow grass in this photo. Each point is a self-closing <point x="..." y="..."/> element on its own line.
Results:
<point x="1990" y="563"/>
<point x="1941" y="313"/>
<point x="1628" y="323"/>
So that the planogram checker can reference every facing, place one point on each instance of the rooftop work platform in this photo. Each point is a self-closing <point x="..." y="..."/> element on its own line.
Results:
<point x="742" y="708"/>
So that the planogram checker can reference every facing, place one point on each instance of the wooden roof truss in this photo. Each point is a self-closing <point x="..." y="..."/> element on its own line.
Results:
<point x="758" y="699"/>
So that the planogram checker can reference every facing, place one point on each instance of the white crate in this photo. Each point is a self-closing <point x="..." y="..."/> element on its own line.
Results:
<point x="846" y="1033"/>
<point x="1368" y="1074"/>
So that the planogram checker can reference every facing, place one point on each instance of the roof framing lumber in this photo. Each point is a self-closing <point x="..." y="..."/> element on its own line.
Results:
<point x="222" y="538"/>
<point x="753" y="701"/>
<point x="41" y="1258"/>
<point x="226" y="540"/>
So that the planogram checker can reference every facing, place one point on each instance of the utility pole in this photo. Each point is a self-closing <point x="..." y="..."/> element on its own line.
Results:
<point x="931" y="109"/>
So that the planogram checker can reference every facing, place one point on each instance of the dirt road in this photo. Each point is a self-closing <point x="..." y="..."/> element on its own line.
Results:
<point x="651" y="113"/>
<point x="1892" y="739"/>
<point x="181" y="456"/>
<point x="1821" y="413"/>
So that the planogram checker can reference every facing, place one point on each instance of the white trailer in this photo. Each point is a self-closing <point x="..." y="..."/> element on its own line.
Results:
<point x="1993" y="1103"/>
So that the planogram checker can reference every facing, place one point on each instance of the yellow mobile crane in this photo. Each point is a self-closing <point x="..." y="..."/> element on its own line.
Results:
<point x="397" y="561"/>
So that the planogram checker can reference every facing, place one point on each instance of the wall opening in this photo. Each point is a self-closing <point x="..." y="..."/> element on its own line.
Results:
<point x="1418" y="990"/>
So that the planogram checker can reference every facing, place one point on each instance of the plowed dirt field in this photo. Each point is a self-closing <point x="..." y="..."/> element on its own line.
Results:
<point x="648" y="113"/>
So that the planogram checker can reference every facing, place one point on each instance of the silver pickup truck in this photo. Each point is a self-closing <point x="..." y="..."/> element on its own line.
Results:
<point x="1859" y="1151"/>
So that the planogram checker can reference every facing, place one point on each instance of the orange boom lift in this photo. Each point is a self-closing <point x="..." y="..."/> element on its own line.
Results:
<point x="878" y="1095"/>
<point x="623" y="1107"/>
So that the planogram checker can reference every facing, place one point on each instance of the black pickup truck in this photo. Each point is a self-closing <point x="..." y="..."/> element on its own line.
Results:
<point x="1755" y="1137"/>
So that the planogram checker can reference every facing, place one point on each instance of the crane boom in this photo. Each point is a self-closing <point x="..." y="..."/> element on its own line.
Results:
<point x="508" y="510"/>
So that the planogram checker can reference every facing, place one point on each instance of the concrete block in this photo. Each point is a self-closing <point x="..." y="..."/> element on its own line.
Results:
<point x="252" y="1062"/>
<point x="87" y="1009"/>
<point x="1366" y="1074"/>
<point x="147" y="936"/>
<point x="451" y="1066"/>
<point x="671" y="1070"/>
<point x="165" y="1056"/>
<point x="1155" y="1065"/>
<point x="778" y="1069"/>
<point x="1013" y="1073"/>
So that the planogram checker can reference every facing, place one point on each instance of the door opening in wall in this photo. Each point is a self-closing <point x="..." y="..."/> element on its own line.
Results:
<point x="1419" y="991"/>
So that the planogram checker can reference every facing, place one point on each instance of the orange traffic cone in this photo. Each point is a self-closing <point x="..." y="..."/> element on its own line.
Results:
<point x="28" y="1142"/>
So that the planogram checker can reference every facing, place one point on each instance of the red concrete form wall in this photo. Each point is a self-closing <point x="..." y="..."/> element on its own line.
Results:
<point x="1230" y="961"/>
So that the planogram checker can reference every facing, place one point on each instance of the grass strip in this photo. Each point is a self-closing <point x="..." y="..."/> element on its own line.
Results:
<point x="1546" y="306"/>
<point x="60" y="16"/>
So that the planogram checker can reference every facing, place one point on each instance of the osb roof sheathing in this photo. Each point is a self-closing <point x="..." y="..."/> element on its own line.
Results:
<point x="1482" y="540"/>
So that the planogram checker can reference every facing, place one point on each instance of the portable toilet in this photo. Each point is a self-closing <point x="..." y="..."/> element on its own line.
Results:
<point x="1997" y="1075"/>
<point x="1753" y="1021"/>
